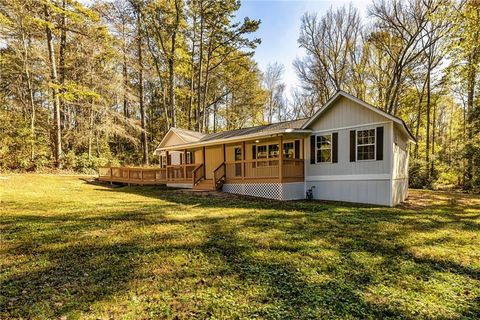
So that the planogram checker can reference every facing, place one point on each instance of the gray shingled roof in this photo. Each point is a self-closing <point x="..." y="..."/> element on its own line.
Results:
<point x="189" y="136"/>
<point x="294" y="124"/>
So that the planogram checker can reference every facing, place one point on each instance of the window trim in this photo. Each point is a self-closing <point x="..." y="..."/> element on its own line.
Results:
<point x="331" y="148"/>
<point x="368" y="144"/>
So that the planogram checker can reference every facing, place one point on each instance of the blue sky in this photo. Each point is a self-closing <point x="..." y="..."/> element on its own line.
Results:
<point x="280" y="28"/>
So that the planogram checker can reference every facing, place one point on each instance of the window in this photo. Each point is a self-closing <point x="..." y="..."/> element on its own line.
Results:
<point x="273" y="151"/>
<point x="289" y="150"/>
<point x="324" y="148"/>
<point x="238" y="154"/>
<point x="262" y="152"/>
<point x="163" y="161"/>
<point x="366" y="144"/>
<point x="189" y="158"/>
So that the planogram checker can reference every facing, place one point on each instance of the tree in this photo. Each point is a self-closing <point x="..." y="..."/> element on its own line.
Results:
<point x="274" y="87"/>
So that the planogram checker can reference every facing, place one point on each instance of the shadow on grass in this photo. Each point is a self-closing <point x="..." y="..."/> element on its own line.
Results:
<point x="69" y="279"/>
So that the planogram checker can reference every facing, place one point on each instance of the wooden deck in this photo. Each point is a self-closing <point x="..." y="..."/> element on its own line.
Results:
<point x="245" y="171"/>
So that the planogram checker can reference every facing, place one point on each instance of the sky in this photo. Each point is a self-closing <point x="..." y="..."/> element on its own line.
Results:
<point x="280" y="28"/>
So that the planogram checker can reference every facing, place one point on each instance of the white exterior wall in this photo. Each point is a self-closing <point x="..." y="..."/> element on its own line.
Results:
<point x="400" y="167"/>
<point x="360" y="181"/>
<point x="358" y="191"/>
<point x="175" y="157"/>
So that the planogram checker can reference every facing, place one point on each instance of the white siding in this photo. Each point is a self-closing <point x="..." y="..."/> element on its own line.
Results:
<point x="400" y="152"/>
<point x="345" y="113"/>
<point x="399" y="191"/>
<point x="344" y="166"/>
<point x="359" y="191"/>
<point x="175" y="157"/>
<point x="400" y="167"/>
<point x="360" y="181"/>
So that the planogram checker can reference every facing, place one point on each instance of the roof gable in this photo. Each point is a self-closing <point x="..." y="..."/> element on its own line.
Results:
<point x="176" y="136"/>
<point x="331" y="102"/>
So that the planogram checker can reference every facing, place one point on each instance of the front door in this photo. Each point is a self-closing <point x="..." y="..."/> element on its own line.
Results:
<point x="213" y="158"/>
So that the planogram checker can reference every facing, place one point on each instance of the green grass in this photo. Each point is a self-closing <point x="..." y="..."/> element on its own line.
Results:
<point x="70" y="249"/>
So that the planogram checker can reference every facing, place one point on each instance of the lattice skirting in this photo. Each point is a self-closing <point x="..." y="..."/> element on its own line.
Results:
<point x="278" y="191"/>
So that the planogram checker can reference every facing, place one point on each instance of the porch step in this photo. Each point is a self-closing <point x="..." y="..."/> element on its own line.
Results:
<point x="205" y="184"/>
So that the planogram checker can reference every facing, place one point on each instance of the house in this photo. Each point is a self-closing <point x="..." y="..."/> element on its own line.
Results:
<point x="347" y="151"/>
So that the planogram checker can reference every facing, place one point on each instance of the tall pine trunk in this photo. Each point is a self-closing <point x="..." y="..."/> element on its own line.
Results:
<point x="140" y="91"/>
<point x="57" y="131"/>
<point x="199" y="124"/>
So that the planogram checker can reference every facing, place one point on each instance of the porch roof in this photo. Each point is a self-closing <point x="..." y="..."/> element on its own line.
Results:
<point x="286" y="127"/>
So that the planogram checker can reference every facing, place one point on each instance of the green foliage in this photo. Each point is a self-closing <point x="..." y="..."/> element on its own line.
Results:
<point x="86" y="164"/>
<point x="73" y="249"/>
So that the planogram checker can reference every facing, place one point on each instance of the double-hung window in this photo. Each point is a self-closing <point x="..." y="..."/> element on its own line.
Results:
<point x="366" y="144"/>
<point x="324" y="148"/>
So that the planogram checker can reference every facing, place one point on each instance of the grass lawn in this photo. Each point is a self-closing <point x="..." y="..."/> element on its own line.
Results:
<point x="70" y="249"/>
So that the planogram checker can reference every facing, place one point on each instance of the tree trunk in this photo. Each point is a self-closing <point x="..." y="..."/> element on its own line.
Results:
<point x="61" y="59"/>
<point x="30" y="97"/>
<point x="192" y="76"/>
<point x="427" y="147"/>
<point x="140" y="90"/>
<point x="171" y="66"/>
<point x="469" y="123"/>
<point x="199" y="126"/>
<point x="56" y="103"/>
<point x="125" y="74"/>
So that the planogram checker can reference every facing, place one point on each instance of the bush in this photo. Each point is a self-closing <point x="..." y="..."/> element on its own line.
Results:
<point x="90" y="164"/>
<point x="421" y="175"/>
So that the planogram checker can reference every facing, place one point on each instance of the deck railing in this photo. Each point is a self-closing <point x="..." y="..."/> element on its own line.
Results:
<point x="265" y="169"/>
<point x="133" y="175"/>
<point x="180" y="173"/>
<point x="253" y="170"/>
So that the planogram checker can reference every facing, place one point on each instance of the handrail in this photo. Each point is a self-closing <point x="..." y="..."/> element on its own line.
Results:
<point x="218" y="179"/>
<point x="194" y="174"/>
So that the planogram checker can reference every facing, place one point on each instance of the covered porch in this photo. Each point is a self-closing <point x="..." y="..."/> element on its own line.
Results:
<point x="267" y="159"/>
<point x="277" y="158"/>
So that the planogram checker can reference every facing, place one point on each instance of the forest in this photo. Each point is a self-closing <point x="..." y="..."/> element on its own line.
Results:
<point x="90" y="83"/>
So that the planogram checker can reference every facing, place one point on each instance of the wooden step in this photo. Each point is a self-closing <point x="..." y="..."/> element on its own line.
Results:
<point x="205" y="184"/>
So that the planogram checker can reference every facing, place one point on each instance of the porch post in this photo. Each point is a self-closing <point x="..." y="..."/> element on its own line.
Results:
<point x="166" y="165"/>
<point x="185" y="164"/>
<point x="280" y="160"/>
<point x="243" y="161"/>
<point x="204" y="164"/>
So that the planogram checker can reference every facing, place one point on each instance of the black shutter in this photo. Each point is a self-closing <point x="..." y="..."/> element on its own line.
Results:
<point x="297" y="149"/>
<point x="169" y="159"/>
<point x="335" y="147"/>
<point x="254" y="152"/>
<point x="352" y="145"/>
<point x="379" y="142"/>
<point x="312" y="149"/>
